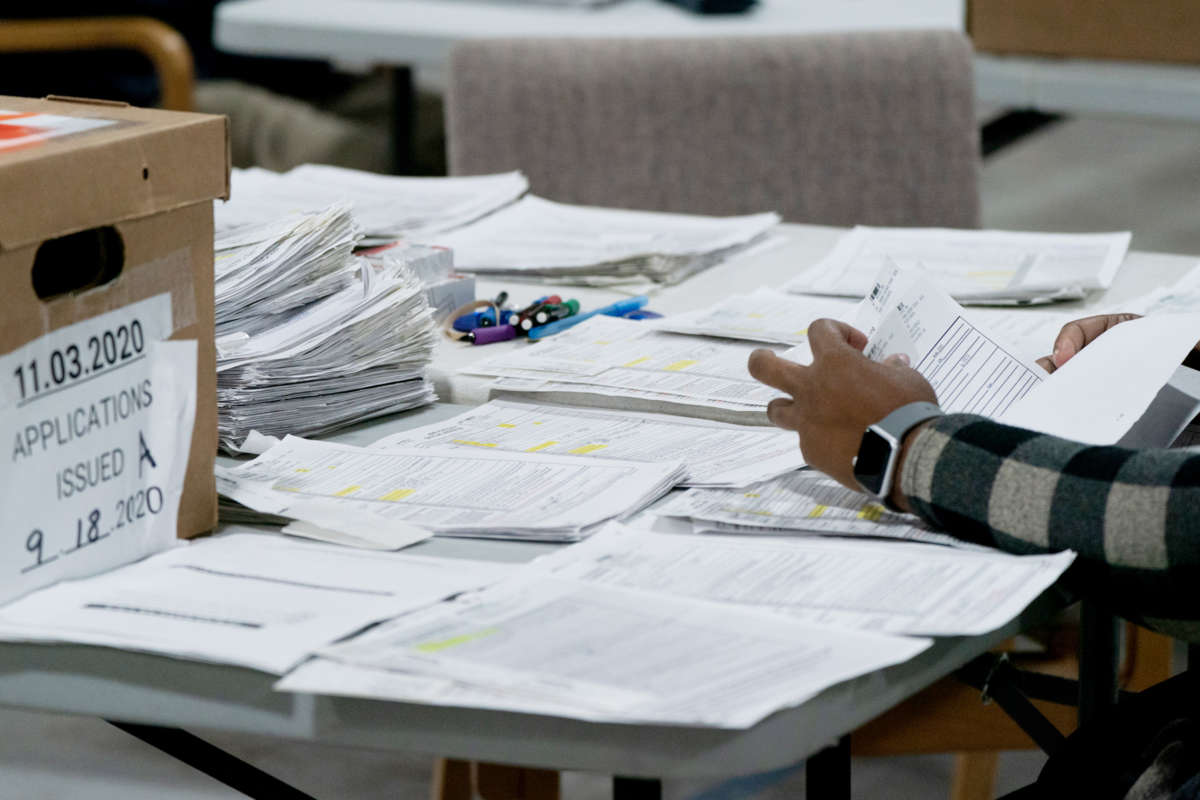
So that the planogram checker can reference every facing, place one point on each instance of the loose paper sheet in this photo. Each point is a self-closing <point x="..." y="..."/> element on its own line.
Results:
<point x="969" y="368"/>
<point x="605" y="653"/>
<point x="250" y="599"/>
<point x="451" y="491"/>
<point x="766" y="315"/>
<point x="985" y="266"/>
<point x="881" y="586"/>
<point x="714" y="454"/>
<point x="1105" y="388"/>
<point x="806" y="501"/>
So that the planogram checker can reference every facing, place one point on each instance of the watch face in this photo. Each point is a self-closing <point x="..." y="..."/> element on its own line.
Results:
<point x="870" y="467"/>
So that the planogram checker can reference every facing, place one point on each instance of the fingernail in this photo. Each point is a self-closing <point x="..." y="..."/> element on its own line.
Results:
<point x="902" y="358"/>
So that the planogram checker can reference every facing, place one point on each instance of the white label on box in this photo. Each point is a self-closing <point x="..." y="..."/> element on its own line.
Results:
<point x="21" y="129"/>
<point x="98" y="419"/>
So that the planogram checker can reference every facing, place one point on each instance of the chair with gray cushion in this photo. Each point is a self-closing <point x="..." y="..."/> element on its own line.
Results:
<point x="839" y="129"/>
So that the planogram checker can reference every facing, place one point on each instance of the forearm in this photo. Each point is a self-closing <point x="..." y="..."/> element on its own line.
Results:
<point x="1136" y="512"/>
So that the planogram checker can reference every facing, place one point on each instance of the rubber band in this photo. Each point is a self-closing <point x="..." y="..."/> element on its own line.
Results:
<point x="474" y="305"/>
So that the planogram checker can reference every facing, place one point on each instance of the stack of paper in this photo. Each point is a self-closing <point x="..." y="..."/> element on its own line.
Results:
<point x="869" y="585"/>
<point x="540" y="238"/>
<point x="713" y="453"/>
<point x="973" y="266"/>
<point x="806" y="501"/>
<point x="256" y="600"/>
<point x="386" y="207"/>
<point x="541" y="644"/>
<point x="265" y="270"/>
<point x="618" y="363"/>
<point x="357" y="354"/>
<point x="459" y="492"/>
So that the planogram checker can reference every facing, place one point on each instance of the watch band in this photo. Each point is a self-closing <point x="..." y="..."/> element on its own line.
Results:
<point x="879" y="451"/>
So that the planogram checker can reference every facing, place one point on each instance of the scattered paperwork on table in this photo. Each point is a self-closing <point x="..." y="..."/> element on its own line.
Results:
<point x="806" y="501"/>
<point x="973" y="266"/>
<point x="868" y="585"/>
<point x="461" y="491"/>
<point x="386" y="207"/>
<point x="765" y="315"/>
<point x="535" y="237"/>
<point x="357" y="354"/>
<point x="544" y="645"/>
<point x="250" y="599"/>
<point x="611" y="361"/>
<point x="714" y="453"/>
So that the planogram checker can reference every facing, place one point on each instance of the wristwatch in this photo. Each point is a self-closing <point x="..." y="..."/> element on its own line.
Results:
<point x="879" y="452"/>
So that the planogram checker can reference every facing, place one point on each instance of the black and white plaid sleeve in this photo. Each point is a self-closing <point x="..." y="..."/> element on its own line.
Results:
<point x="1134" y="513"/>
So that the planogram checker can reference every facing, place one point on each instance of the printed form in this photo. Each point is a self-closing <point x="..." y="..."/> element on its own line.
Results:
<point x="621" y="655"/>
<point x="805" y="501"/>
<point x="986" y="266"/>
<point x="251" y="599"/>
<point x="624" y="354"/>
<point x="881" y="586"/>
<point x="714" y="453"/>
<point x="468" y="492"/>
<point x="766" y="315"/>
<point x="970" y="371"/>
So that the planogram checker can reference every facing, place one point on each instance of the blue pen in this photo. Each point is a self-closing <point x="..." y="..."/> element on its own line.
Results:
<point x="482" y="319"/>
<point x="618" y="308"/>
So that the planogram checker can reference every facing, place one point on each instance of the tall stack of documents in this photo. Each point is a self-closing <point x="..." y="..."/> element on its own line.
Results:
<point x="265" y="270"/>
<point x="539" y="238"/>
<point x="359" y="353"/>
<point x="310" y="337"/>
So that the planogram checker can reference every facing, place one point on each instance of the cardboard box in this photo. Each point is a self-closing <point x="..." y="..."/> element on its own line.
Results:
<point x="1143" y="30"/>
<point x="105" y="205"/>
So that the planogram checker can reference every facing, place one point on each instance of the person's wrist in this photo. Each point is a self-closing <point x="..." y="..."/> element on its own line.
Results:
<point x="897" y="497"/>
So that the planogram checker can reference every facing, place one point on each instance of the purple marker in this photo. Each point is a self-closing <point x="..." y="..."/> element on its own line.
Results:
<point x="495" y="333"/>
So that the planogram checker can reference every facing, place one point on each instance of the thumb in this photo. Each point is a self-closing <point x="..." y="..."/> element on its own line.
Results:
<point x="898" y="360"/>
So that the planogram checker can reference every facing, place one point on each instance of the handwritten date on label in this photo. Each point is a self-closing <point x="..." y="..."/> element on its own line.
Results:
<point x="96" y="526"/>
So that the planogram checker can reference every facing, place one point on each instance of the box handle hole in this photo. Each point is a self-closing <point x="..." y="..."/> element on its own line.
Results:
<point x="78" y="261"/>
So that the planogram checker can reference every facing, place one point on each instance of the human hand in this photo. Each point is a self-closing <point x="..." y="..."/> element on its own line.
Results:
<point x="1076" y="335"/>
<point x="838" y="397"/>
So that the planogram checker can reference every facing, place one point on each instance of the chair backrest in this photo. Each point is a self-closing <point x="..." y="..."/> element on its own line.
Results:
<point x="871" y="128"/>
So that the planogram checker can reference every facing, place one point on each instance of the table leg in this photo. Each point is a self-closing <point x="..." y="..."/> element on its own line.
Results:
<point x="404" y="120"/>
<point x="1011" y="127"/>
<point x="1098" y="645"/>
<point x="213" y="761"/>
<point x="451" y="780"/>
<point x="827" y="774"/>
<point x="637" y="789"/>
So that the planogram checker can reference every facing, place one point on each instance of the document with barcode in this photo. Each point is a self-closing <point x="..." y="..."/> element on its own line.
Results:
<point x="970" y="369"/>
